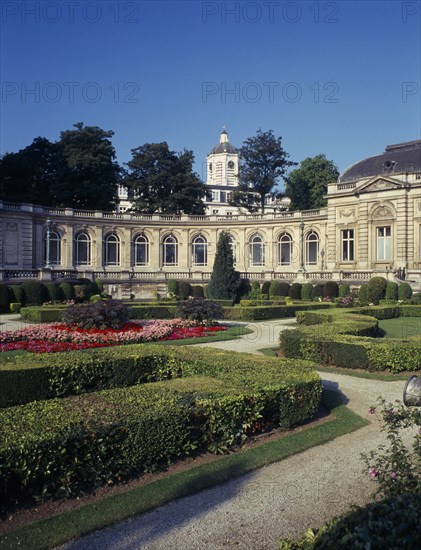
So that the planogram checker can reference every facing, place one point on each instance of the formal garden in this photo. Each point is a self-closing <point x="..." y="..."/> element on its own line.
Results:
<point x="96" y="392"/>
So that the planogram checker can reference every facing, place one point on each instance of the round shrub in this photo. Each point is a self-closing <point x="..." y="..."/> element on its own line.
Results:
<point x="331" y="289"/>
<point x="101" y="315"/>
<point x="184" y="290"/>
<point x="295" y="291"/>
<point x="317" y="291"/>
<point x="265" y="287"/>
<point x="95" y="298"/>
<point x="99" y="286"/>
<point x="67" y="290"/>
<point x="15" y="307"/>
<point x="306" y="292"/>
<point x="391" y="291"/>
<point x="344" y="290"/>
<point x="172" y="287"/>
<point x="200" y="310"/>
<point x="198" y="291"/>
<point x="416" y="299"/>
<point x="376" y="289"/>
<point x="55" y="294"/>
<point x="35" y="293"/>
<point x="244" y="289"/>
<point x="17" y="294"/>
<point x="81" y="293"/>
<point x="404" y="291"/>
<point x="278" y="288"/>
<point x="363" y="294"/>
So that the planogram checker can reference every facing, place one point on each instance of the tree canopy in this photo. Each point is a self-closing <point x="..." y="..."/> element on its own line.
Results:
<point x="263" y="161"/>
<point x="307" y="184"/>
<point x="77" y="171"/>
<point x="225" y="281"/>
<point x="160" y="180"/>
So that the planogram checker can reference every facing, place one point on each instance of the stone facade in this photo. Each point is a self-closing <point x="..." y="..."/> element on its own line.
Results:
<point x="370" y="226"/>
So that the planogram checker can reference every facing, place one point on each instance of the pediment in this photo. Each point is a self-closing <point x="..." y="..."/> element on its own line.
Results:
<point x="379" y="184"/>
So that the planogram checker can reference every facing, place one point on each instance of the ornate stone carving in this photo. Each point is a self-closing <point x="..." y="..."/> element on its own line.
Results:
<point x="380" y="185"/>
<point x="383" y="212"/>
<point x="347" y="213"/>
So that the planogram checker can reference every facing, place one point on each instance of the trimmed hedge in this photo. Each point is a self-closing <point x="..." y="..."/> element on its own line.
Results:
<point x="347" y="339"/>
<point x="17" y="294"/>
<point x="4" y="298"/>
<point x="54" y="292"/>
<point x="306" y="291"/>
<point x="35" y="293"/>
<point x="295" y="291"/>
<point x="260" y="313"/>
<point x="42" y="314"/>
<point x="152" y="311"/>
<point x="404" y="291"/>
<point x="210" y="399"/>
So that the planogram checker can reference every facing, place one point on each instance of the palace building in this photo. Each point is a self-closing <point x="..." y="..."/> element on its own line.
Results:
<point x="370" y="226"/>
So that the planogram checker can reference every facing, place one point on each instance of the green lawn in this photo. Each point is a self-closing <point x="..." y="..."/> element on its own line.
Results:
<point x="401" y="327"/>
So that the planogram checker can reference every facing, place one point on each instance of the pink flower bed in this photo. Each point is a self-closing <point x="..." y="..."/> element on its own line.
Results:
<point x="59" y="337"/>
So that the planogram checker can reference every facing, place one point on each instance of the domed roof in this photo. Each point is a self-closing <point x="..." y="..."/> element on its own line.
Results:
<point x="399" y="158"/>
<point x="224" y="146"/>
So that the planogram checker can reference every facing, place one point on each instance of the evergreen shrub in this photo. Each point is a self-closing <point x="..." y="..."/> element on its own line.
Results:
<point x="224" y="283"/>
<point x="198" y="291"/>
<point x="306" y="292"/>
<point x="35" y="293"/>
<point x="4" y="299"/>
<point x="331" y="289"/>
<point x="376" y="289"/>
<point x="266" y="287"/>
<point x="363" y="294"/>
<point x="404" y="291"/>
<point x="391" y="291"/>
<point x="278" y="288"/>
<point x="317" y="291"/>
<point x="344" y="290"/>
<point x="184" y="290"/>
<point x="172" y="287"/>
<point x="295" y="291"/>
<point x="17" y="294"/>
<point x="54" y="292"/>
<point x="68" y="291"/>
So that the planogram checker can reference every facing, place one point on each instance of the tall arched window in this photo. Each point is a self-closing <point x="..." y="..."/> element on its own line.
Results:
<point x="141" y="250"/>
<point x="170" y="250"/>
<point x="256" y="251"/>
<point x="52" y="242"/>
<point x="312" y="248"/>
<point x="82" y="249"/>
<point x="284" y="249"/>
<point x="112" y="249"/>
<point x="200" y="251"/>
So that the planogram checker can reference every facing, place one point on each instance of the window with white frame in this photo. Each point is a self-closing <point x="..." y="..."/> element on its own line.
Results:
<point x="170" y="250"/>
<point x="200" y="251"/>
<point x="312" y="248"/>
<point x="347" y="238"/>
<point x="111" y="250"/>
<point x="53" y="243"/>
<point x="256" y="251"/>
<point x="82" y="249"/>
<point x="284" y="249"/>
<point x="141" y="250"/>
<point x="384" y="243"/>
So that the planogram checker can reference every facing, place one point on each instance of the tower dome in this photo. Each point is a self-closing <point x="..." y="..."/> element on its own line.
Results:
<point x="224" y="146"/>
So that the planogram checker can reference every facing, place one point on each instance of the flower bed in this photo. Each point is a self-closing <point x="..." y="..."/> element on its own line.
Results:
<point x="58" y="337"/>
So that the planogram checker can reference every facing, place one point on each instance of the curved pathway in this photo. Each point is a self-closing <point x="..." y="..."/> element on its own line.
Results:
<point x="282" y="499"/>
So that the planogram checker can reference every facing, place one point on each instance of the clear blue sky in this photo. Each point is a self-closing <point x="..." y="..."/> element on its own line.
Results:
<point x="340" y="78"/>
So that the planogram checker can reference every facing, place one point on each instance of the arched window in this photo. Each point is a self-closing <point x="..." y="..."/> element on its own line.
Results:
<point x="256" y="251"/>
<point x="200" y="251"/>
<point x="112" y="249"/>
<point x="82" y="249"/>
<point x="52" y="248"/>
<point x="284" y="249"/>
<point x="170" y="250"/>
<point x="141" y="250"/>
<point x="312" y="248"/>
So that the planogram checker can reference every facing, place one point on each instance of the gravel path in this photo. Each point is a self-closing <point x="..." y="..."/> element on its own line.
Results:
<point x="282" y="499"/>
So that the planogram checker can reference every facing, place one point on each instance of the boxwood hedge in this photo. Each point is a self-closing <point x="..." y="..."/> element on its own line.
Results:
<point x="196" y="398"/>
<point x="260" y="313"/>
<point x="349" y="338"/>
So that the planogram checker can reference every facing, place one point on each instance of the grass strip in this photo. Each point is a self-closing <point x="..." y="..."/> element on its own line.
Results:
<point x="383" y="376"/>
<point x="48" y="533"/>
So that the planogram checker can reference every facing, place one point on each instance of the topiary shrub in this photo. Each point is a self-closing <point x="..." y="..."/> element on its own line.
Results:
<point x="376" y="289"/>
<point x="344" y="290"/>
<point x="198" y="291"/>
<point x="82" y="293"/>
<point x="317" y="291"/>
<point x="184" y="290"/>
<point x="4" y="298"/>
<point x="224" y="283"/>
<point x="331" y="289"/>
<point x="363" y="294"/>
<point x="244" y="290"/>
<point x="391" y="291"/>
<point x="15" y="307"/>
<point x="17" y="294"/>
<point x="295" y="291"/>
<point x="95" y="298"/>
<point x="55" y="293"/>
<point x="416" y="299"/>
<point x="101" y="315"/>
<point x="99" y="286"/>
<point x="35" y="293"/>
<point x="404" y="291"/>
<point x="200" y="310"/>
<point x="306" y="292"/>
<point x="172" y="287"/>
<point x="266" y="287"/>
<point x="67" y="290"/>
<point x="278" y="288"/>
